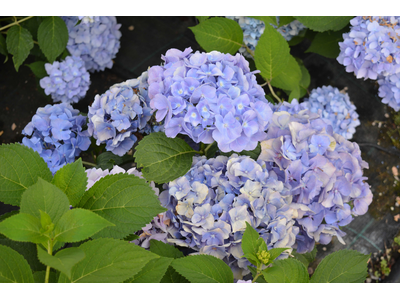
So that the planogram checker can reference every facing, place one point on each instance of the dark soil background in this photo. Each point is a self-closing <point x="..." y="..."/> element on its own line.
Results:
<point x="143" y="41"/>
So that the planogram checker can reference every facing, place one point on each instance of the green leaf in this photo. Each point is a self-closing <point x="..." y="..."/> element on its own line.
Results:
<point x="107" y="160"/>
<point x="3" y="47"/>
<point x="326" y="44"/>
<point x="271" y="54"/>
<point x="284" y="20"/>
<point x="23" y="228"/>
<point x="109" y="261"/>
<point x="125" y="200"/>
<point x="32" y="25"/>
<point x="46" y="197"/>
<point x="131" y="237"/>
<point x="203" y="269"/>
<point x="13" y="267"/>
<point x="38" y="69"/>
<point x="253" y="270"/>
<point x="275" y="252"/>
<point x="212" y="151"/>
<point x="254" y="154"/>
<point x="172" y="276"/>
<point x="20" y="168"/>
<point x="250" y="243"/>
<point x="286" y="271"/>
<point x="63" y="260"/>
<point x="72" y="180"/>
<point x="294" y="94"/>
<point x="19" y="44"/>
<point x="290" y="76"/>
<point x="267" y="19"/>
<point x="52" y="37"/>
<point x="343" y="266"/>
<point x="163" y="159"/>
<point x="201" y="18"/>
<point x="305" y="79"/>
<point x="324" y="23"/>
<point x="40" y="276"/>
<point x="79" y="224"/>
<point x="45" y="221"/>
<point x="220" y="34"/>
<point x="305" y="258"/>
<point x="164" y="250"/>
<point x="153" y="272"/>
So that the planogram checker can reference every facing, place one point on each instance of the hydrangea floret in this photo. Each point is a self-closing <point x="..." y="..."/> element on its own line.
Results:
<point x="118" y="113"/>
<point x="209" y="97"/>
<point x="371" y="48"/>
<point x="210" y="205"/>
<point x="324" y="170"/>
<point x="389" y="90"/>
<point x="95" y="40"/>
<point x="335" y="108"/>
<point x="57" y="133"/>
<point x="68" y="81"/>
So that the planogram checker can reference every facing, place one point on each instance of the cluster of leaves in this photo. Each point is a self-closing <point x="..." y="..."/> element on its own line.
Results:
<point x="44" y="37"/>
<point x="272" y="54"/>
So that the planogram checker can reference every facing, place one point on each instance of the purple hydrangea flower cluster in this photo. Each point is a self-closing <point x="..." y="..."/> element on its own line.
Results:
<point x="389" y="90"/>
<point x="371" y="47"/>
<point x="254" y="28"/>
<point x="209" y="97"/>
<point x="335" y="108"/>
<point x="210" y="205"/>
<point x="57" y="134"/>
<point x="115" y="115"/>
<point x="324" y="170"/>
<point x="97" y="42"/>
<point x="68" y="81"/>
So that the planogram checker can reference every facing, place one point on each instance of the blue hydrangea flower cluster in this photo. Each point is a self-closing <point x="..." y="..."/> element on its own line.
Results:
<point x="254" y="28"/>
<point x="115" y="115"/>
<point x="57" y="134"/>
<point x="97" y="42"/>
<point x="88" y="19"/>
<point x="389" y="90"/>
<point x="324" y="170"/>
<point x="209" y="97"/>
<point x="335" y="108"/>
<point x="210" y="205"/>
<point x="68" y="81"/>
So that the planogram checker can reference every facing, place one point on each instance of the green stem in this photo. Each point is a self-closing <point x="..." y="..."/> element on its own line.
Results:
<point x="272" y="92"/>
<point x="257" y="275"/>
<point x="208" y="147"/>
<point x="15" y="23"/>
<point x="50" y="251"/>
<point x="89" y="164"/>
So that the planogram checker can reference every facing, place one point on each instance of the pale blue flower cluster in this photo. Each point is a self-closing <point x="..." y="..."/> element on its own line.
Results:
<point x="115" y="115"/>
<point x="68" y="81"/>
<point x="324" y="170"/>
<point x="89" y="19"/>
<point x="335" y="108"/>
<point x="57" y="134"/>
<point x="389" y="90"/>
<point x="209" y="97"/>
<point x="254" y="28"/>
<point x="210" y="205"/>
<point x="97" y="42"/>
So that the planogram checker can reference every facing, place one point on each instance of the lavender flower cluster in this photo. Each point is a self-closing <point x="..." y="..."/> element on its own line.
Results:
<point x="372" y="50"/>
<point x="95" y="40"/>
<point x="210" y="205"/>
<point x="254" y="28"/>
<point x="122" y="110"/>
<point x="209" y="97"/>
<point x="335" y="108"/>
<point x="324" y="170"/>
<point x="68" y="81"/>
<point x="57" y="134"/>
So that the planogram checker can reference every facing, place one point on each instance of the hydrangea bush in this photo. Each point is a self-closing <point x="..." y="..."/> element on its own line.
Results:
<point x="209" y="97"/>
<point x="96" y="42"/>
<point x="68" y="81"/>
<point x="57" y="132"/>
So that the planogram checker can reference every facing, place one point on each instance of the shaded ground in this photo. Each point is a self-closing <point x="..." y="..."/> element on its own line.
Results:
<point x="143" y="41"/>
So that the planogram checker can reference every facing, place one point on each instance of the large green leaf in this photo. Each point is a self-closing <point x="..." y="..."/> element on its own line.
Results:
<point x="23" y="228"/>
<point x="107" y="160"/>
<point x="305" y="258"/>
<point x="220" y="34"/>
<point x="19" y="44"/>
<point x="172" y="276"/>
<point x="63" y="260"/>
<point x="38" y="69"/>
<point x="250" y="245"/>
<point x="72" y="180"/>
<point x="286" y="271"/>
<point x="343" y="266"/>
<point x="125" y="200"/>
<point x="79" y="224"/>
<point x="284" y="20"/>
<point x="163" y="159"/>
<point x="271" y="54"/>
<point x="20" y="168"/>
<point x="40" y="276"/>
<point x="326" y="44"/>
<point x="290" y="76"/>
<point x="109" y="261"/>
<point x="13" y="267"/>
<point x="153" y="272"/>
<point x="165" y="250"/>
<point x="52" y="37"/>
<point x="46" y="197"/>
<point x="203" y="269"/>
<point x="324" y="23"/>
